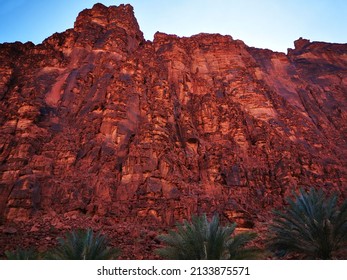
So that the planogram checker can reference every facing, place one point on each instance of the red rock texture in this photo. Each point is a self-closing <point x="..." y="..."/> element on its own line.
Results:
<point x="98" y="122"/>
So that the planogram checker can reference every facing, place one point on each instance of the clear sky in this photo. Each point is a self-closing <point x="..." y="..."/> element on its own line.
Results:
<point x="272" y="24"/>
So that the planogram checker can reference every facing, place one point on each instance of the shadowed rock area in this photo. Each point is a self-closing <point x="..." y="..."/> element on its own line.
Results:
<point x="98" y="123"/>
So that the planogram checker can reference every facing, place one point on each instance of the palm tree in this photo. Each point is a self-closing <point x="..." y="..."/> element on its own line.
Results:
<point x="83" y="245"/>
<point x="22" y="254"/>
<point x="312" y="225"/>
<point x="204" y="240"/>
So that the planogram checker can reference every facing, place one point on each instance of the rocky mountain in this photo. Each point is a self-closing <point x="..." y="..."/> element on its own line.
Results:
<point x="98" y="122"/>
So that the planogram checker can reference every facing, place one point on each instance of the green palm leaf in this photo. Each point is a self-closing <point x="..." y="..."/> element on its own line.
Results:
<point x="22" y="254"/>
<point x="238" y="249"/>
<point x="202" y="239"/>
<point x="312" y="225"/>
<point x="83" y="245"/>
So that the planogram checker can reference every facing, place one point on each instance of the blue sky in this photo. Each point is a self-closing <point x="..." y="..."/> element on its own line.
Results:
<point x="272" y="24"/>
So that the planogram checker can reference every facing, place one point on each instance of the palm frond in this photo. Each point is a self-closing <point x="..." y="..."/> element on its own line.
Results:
<point x="22" y="254"/>
<point x="312" y="225"/>
<point x="83" y="245"/>
<point x="239" y="250"/>
<point x="200" y="239"/>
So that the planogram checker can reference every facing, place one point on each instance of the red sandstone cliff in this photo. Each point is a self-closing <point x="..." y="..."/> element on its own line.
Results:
<point x="98" y="121"/>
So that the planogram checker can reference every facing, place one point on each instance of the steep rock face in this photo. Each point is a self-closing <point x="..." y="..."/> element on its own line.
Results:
<point x="98" y="121"/>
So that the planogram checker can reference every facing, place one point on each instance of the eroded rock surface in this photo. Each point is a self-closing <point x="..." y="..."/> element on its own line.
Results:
<point x="98" y="121"/>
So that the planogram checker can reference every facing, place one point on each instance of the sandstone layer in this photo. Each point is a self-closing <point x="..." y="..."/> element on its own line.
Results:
<point x="98" y="122"/>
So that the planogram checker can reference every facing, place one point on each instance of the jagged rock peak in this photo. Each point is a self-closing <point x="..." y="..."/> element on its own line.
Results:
<point x="301" y="43"/>
<point x="112" y="17"/>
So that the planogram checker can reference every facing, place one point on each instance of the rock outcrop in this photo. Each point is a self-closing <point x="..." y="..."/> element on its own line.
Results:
<point x="98" y="121"/>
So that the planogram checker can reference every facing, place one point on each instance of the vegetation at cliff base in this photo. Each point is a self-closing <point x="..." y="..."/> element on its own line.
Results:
<point x="202" y="239"/>
<point x="22" y="254"/>
<point x="83" y="244"/>
<point x="312" y="226"/>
